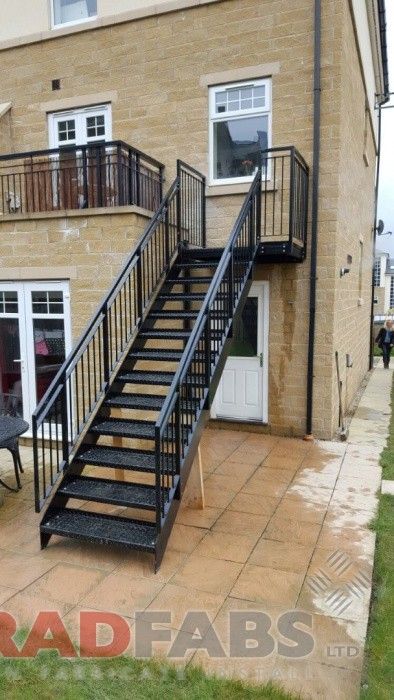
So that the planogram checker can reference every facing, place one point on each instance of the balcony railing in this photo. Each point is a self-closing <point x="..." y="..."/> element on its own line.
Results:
<point x="110" y="174"/>
<point x="284" y="210"/>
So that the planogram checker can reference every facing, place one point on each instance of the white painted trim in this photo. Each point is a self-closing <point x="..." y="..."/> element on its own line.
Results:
<point x="258" y="288"/>
<point x="73" y="23"/>
<point x="215" y="118"/>
<point x="80" y="115"/>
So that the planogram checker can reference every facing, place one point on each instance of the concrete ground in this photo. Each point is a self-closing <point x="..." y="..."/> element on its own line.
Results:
<point x="285" y="528"/>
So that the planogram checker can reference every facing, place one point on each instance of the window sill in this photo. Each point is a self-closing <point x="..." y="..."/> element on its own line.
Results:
<point x="74" y="23"/>
<point x="241" y="188"/>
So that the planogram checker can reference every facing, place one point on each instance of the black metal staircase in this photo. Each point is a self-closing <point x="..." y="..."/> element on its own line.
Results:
<point x="120" y="425"/>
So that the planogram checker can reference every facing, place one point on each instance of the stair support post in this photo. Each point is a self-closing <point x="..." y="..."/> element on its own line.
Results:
<point x="179" y="202"/>
<point x="106" y="350"/>
<point x="158" y="478"/>
<point x="64" y="414"/>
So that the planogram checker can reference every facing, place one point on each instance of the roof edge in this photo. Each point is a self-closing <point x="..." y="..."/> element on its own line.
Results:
<point x="383" y="48"/>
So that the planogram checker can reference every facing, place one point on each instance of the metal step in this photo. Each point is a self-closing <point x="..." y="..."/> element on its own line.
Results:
<point x="118" y="493"/>
<point x="160" y="355"/>
<point x="103" y="529"/>
<point x="142" y="402"/>
<point x="196" y="264"/>
<point x="143" y="377"/>
<point x="119" y="427"/>
<point x="167" y="333"/>
<point x="173" y="314"/>
<point x="179" y="296"/>
<point x="117" y="457"/>
<point x="202" y="253"/>
<point x="188" y="280"/>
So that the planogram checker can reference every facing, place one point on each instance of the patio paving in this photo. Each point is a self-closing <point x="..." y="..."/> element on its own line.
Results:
<point x="285" y="528"/>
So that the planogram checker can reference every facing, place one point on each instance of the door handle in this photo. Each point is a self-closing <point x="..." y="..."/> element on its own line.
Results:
<point x="261" y="359"/>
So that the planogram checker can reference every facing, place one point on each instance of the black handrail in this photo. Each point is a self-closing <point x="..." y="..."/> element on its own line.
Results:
<point x="191" y="383"/>
<point x="98" y="174"/>
<point x="82" y="381"/>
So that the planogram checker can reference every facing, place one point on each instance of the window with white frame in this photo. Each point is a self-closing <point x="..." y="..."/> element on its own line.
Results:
<point x="72" y="11"/>
<point x="80" y="126"/>
<point x="240" y="129"/>
<point x="376" y="273"/>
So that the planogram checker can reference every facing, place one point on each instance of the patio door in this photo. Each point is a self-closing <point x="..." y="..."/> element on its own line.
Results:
<point x="78" y="179"/>
<point x="242" y="393"/>
<point x="35" y="336"/>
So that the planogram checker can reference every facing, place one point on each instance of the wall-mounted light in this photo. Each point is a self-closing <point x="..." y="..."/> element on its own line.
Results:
<point x="349" y="361"/>
<point x="344" y="271"/>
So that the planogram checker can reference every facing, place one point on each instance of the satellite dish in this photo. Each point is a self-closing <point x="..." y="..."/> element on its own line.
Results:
<point x="380" y="227"/>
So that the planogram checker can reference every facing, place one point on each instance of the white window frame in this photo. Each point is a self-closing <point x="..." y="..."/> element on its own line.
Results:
<point x="72" y="22"/>
<point x="239" y="114"/>
<point x="80" y="115"/>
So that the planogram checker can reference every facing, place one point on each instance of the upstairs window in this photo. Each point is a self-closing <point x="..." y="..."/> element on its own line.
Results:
<point x="240" y="129"/>
<point x="80" y="126"/>
<point x="73" y="11"/>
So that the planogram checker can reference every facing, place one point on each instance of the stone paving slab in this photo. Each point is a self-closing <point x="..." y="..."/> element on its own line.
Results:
<point x="285" y="530"/>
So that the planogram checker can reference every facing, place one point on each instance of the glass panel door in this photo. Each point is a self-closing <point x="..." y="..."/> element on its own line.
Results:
<point x="11" y="398"/>
<point x="35" y="336"/>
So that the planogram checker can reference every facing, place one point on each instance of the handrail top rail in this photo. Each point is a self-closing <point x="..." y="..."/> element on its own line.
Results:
<point x="182" y="164"/>
<point x="82" y="147"/>
<point x="108" y="297"/>
<point x="216" y="279"/>
<point x="290" y="150"/>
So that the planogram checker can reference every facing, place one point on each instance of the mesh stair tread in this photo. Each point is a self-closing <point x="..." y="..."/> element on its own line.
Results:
<point x="135" y="401"/>
<point x="95" y="527"/>
<point x="117" y="457"/>
<point x="173" y="314"/>
<point x="124" y="428"/>
<point x="141" y="377"/>
<point x="121" y="493"/>
<point x="156" y="355"/>
<point x="188" y="280"/>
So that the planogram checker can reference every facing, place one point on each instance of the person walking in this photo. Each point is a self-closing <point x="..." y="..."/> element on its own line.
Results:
<point x="385" y="340"/>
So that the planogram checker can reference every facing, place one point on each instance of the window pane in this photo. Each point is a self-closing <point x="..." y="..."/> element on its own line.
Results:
<point x="47" y="302"/>
<point x="95" y="126"/>
<point x="237" y="146"/>
<point x="73" y="10"/>
<point x="10" y="368"/>
<point x="244" y="342"/>
<point x="238" y="99"/>
<point x="8" y="303"/>
<point x="66" y="130"/>
<point x="49" y="351"/>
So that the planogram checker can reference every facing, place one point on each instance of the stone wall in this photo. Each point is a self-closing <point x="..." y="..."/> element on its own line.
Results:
<point x="86" y="249"/>
<point x="156" y="72"/>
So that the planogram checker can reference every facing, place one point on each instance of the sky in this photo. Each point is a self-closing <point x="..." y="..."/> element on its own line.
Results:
<point x="386" y="187"/>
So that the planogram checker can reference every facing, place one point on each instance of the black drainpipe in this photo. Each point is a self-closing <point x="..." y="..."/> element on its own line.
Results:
<point x="372" y="330"/>
<point x="315" y="214"/>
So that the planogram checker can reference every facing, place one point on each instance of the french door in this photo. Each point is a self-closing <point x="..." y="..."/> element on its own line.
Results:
<point x="87" y="126"/>
<point x="35" y="336"/>
<point x="242" y="393"/>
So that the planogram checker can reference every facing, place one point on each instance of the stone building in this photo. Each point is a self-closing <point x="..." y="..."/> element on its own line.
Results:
<point x="214" y="83"/>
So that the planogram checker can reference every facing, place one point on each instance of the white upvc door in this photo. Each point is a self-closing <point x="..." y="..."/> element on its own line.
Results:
<point x="242" y="393"/>
<point x="35" y="337"/>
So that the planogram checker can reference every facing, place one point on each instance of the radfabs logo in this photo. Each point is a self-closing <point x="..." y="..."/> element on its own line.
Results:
<point x="251" y="634"/>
